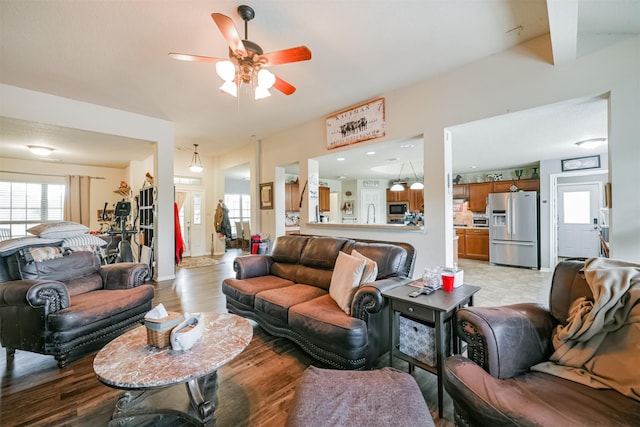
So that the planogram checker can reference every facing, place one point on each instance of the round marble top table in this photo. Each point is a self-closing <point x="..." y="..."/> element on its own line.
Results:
<point x="129" y="363"/>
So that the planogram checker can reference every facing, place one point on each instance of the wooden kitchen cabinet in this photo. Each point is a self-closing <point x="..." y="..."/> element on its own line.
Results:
<point x="416" y="200"/>
<point x="398" y="196"/>
<point x="324" y="199"/>
<point x="478" y="194"/>
<point x="460" y="191"/>
<point x="460" y="233"/>
<point x="476" y="242"/>
<point x="292" y="197"/>
<point x="522" y="184"/>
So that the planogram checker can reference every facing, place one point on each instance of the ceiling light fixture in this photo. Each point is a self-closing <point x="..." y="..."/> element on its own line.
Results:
<point x="592" y="143"/>
<point x="416" y="185"/>
<point x="397" y="186"/>
<point x="196" y="164"/>
<point x="40" y="150"/>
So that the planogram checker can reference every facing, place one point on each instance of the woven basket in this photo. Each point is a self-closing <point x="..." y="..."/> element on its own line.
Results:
<point x="159" y="330"/>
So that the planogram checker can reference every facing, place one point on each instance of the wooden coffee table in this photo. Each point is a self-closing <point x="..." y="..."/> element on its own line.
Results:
<point x="151" y="375"/>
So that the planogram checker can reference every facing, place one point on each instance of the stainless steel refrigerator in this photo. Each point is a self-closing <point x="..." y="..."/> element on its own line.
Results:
<point x="513" y="229"/>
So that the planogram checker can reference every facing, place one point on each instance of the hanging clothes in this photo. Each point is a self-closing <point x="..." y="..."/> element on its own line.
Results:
<point x="217" y="218"/>
<point x="178" y="235"/>
<point x="225" y="227"/>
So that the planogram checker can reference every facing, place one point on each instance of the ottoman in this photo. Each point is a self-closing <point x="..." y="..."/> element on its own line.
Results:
<point x="383" y="397"/>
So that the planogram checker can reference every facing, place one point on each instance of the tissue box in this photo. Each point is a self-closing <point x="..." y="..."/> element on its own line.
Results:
<point x="459" y="279"/>
<point x="159" y="330"/>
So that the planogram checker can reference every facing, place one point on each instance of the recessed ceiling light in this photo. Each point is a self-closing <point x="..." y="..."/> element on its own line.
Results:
<point x="370" y="153"/>
<point x="592" y="143"/>
<point x="407" y="146"/>
<point x="474" y="167"/>
<point x="340" y="159"/>
<point x="40" y="150"/>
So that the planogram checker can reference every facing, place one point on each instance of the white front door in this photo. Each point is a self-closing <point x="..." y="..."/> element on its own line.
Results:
<point x="578" y="219"/>
<point x="191" y="215"/>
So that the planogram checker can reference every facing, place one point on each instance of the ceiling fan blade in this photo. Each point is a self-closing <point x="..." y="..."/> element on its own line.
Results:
<point x="197" y="58"/>
<point x="283" y="86"/>
<point x="295" y="54"/>
<point x="229" y="32"/>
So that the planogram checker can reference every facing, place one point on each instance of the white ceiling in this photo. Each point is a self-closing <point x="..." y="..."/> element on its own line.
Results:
<point x="115" y="54"/>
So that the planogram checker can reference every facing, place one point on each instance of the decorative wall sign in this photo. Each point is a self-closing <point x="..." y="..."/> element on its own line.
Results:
<point x="356" y="124"/>
<point x="590" y="162"/>
<point x="266" y="195"/>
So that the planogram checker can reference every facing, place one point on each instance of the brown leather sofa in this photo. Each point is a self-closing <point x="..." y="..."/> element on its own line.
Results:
<point x="69" y="304"/>
<point x="495" y="386"/>
<point x="286" y="292"/>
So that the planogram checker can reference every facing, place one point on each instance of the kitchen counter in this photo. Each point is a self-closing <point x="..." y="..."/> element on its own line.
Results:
<point x="465" y="227"/>
<point x="394" y="227"/>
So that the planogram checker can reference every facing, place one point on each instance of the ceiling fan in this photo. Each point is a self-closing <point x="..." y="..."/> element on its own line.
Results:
<point x="247" y="63"/>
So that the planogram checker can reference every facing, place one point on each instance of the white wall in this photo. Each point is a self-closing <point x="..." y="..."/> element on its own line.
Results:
<point x="519" y="79"/>
<point x="39" y="107"/>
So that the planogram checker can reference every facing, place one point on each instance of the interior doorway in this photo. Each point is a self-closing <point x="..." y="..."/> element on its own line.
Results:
<point x="190" y="213"/>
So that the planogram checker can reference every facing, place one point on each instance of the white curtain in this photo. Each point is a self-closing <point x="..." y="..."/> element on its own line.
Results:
<point x="76" y="199"/>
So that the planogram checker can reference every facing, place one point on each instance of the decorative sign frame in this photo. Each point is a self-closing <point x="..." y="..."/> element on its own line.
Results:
<point x="356" y="124"/>
<point x="579" y="163"/>
<point x="266" y="195"/>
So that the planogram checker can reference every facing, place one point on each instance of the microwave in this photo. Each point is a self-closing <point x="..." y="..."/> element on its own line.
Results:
<point x="397" y="209"/>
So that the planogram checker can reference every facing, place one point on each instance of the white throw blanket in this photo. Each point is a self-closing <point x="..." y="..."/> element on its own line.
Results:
<point x="600" y="345"/>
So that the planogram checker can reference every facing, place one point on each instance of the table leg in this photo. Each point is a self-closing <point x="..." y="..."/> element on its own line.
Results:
<point x="393" y="324"/>
<point x="203" y="396"/>
<point x="440" y="346"/>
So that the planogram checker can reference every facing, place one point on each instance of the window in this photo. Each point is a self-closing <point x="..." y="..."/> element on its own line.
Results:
<point x="576" y="207"/>
<point x="239" y="206"/>
<point x="25" y="204"/>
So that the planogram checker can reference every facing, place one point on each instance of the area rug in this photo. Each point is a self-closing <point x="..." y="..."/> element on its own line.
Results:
<point x="198" y="261"/>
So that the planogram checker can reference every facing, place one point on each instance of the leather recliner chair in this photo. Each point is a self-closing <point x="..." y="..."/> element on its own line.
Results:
<point x="69" y="304"/>
<point x="495" y="386"/>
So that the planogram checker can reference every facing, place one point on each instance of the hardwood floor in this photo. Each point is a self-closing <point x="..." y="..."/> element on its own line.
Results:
<point x="255" y="389"/>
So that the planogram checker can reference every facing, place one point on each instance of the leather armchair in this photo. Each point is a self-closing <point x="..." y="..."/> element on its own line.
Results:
<point x="495" y="385"/>
<point x="70" y="304"/>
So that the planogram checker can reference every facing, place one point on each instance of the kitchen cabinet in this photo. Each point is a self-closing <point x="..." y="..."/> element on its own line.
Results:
<point x="398" y="196"/>
<point x="292" y="197"/>
<point x="324" y="199"/>
<point x="416" y="200"/>
<point x="478" y="194"/>
<point x="522" y="184"/>
<point x="473" y="243"/>
<point x="461" y="191"/>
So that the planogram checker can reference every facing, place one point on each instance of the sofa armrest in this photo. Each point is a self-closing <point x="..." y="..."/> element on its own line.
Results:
<point x="506" y="341"/>
<point x="124" y="275"/>
<point x="369" y="299"/>
<point x="51" y="294"/>
<point x="252" y="266"/>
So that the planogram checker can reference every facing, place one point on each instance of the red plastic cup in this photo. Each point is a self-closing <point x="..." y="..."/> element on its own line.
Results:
<point x="447" y="282"/>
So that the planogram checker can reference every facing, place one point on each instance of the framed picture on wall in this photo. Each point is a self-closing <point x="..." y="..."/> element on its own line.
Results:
<point x="579" y="163"/>
<point x="266" y="195"/>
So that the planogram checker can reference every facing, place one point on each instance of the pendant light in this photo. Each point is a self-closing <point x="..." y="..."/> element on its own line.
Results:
<point x="397" y="186"/>
<point x="196" y="164"/>
<point x="416" y="185"/>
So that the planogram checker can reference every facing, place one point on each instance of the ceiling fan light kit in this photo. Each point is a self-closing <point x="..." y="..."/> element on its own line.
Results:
<point x="247" y="62"/>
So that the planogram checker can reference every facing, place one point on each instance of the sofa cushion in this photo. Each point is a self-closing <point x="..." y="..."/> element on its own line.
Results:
<point x="85" y="284"/>
<point x="70" y="266"/>
<point x="91" y="307"/>
<point x="245" y="290"/>
<point x="324" y="324"/>
<point x="276" y="302"/>
<point x="321" y="252"/>
<point x="345" y="280"/>
<point x="58" y="229"/>
<point x="389" y="258"/>
<point x="287" y="249"/>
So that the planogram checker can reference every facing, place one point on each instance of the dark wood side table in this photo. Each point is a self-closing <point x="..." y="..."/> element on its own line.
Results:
<point x="432" y="310"/>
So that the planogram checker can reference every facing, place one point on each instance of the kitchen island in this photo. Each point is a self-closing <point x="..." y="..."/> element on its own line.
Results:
<point x="393" y="227"/>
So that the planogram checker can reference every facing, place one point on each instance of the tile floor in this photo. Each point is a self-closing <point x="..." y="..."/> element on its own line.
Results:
<point x="506" y="285"/>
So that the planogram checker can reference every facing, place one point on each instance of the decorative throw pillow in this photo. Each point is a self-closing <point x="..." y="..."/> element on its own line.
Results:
<point x="345" y="279"/>
<point x="83" y="240"/>
<point x="370" y="273"/>
<point x="58" y="229"/>
<point x="41" y="254"/>
<point x="11" y="246"/>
